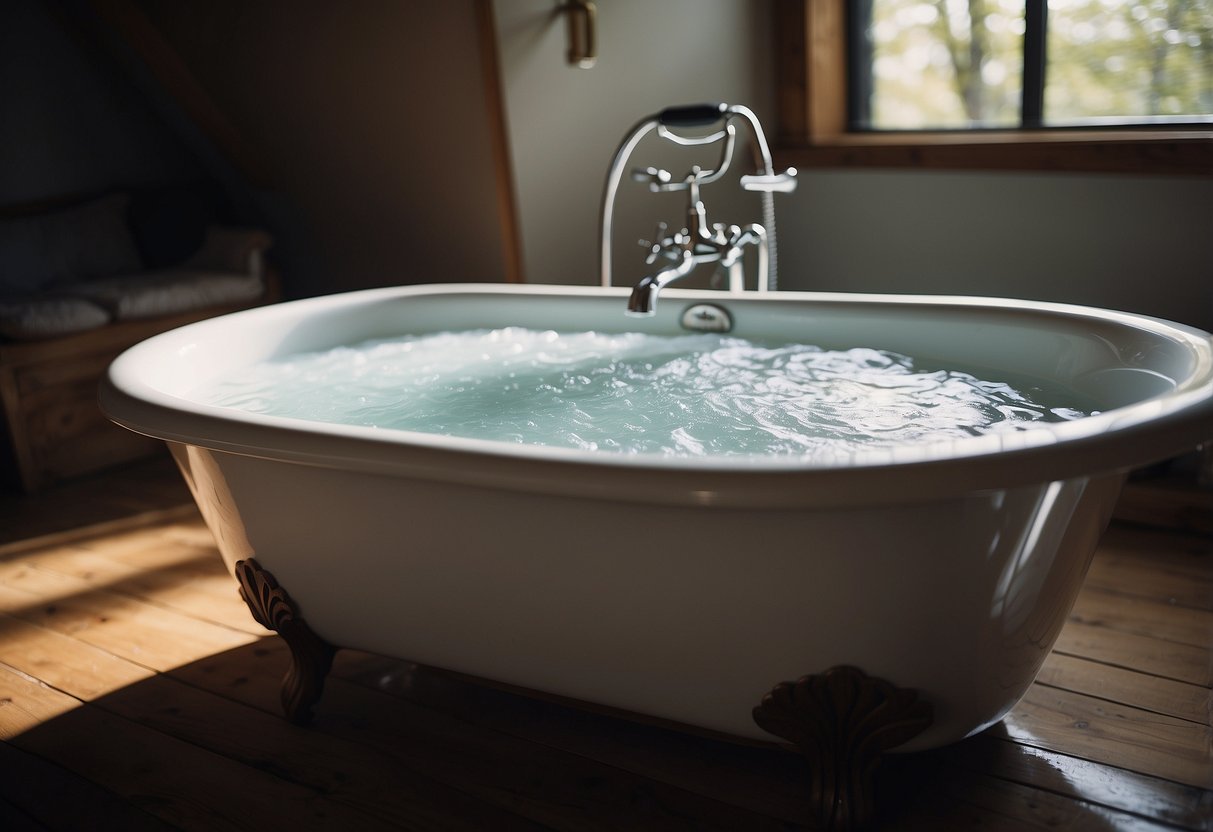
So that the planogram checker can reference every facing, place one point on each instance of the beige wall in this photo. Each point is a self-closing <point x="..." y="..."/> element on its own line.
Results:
<point x="565" y="123"/>
<point x="368" y="117"/>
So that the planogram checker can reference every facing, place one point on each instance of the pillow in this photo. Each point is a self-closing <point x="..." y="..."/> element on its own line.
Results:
<point x="166" y="292"/>
<point x="80" y="243"/>
<point x="28" y="319"/>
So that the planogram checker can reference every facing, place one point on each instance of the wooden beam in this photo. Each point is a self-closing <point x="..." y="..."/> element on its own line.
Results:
<point x="506" y="192"/>
<point x="791" y="72"/>
<point x="825" y="36"/>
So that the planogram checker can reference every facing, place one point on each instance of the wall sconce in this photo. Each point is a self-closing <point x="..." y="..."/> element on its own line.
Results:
<point x="583" y="32"/>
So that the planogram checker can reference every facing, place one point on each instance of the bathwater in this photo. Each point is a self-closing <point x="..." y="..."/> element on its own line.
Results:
<point x="689" y="395"/>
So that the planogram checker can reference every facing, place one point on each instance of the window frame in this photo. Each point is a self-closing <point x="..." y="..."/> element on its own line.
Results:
<point x="811" y="97"/>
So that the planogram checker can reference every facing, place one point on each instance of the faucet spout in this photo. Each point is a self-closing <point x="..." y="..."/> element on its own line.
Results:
<point x="642" y="303"/>
<point x="643" y="300"/>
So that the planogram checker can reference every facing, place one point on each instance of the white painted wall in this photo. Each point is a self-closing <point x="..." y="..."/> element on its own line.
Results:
<point x="1122" y="241"/>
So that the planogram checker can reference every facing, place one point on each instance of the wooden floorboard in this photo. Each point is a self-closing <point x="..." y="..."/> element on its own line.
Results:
<point x="1120" y="735"/>
<point x="60" y="799"/>
<point x="1082" y="780"/>
<point x="136" y="692"/>
<point x="121" y="498"/>
<point x="1182" y="700"/>
<point x="1131" y="563"/>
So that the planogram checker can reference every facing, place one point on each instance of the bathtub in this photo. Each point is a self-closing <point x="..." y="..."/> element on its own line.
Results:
<point x="682" y="589"/>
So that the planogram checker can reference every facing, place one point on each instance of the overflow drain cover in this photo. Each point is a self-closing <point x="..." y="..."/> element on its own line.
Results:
<point x="707" y="317"/>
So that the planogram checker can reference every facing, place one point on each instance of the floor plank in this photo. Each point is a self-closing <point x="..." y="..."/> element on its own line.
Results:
<point x="65" y="663"/>
<point x="1131" y="563"/>
<point x="154" y="569"/>
<point x="351" y="776"/>
<point x="1170" y="660"/>
<point x="757" y="779"/>
<point x="153" y="636"/>
<point x="179" y="783"/>
<point x="145" y="492"/>
<point x="562" y="790"/>
<point x="1140" y="795"/>
<point x="1121" y="735"/>
<point x="635" y="747"/>
<point x="964" y="800"/>
<point x="1128" y="687"/>
<point x="1167" y="503"/>
<point x="1137" y="616"/>
<point x="48" y="796"/>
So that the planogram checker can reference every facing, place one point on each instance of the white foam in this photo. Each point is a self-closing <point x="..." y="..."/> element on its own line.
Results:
<point x="688" y="395"/>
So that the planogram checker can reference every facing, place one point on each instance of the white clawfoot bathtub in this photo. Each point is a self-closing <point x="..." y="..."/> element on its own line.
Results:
<point x="683" y="588"/>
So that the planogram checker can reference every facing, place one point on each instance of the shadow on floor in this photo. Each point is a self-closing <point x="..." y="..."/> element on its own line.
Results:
<point x="147" y="489"/>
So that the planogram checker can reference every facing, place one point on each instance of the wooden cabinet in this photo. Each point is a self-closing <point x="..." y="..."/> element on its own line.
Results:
<point x="54" y="428"/>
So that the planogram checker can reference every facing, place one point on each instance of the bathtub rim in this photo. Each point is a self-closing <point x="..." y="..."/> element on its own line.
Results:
<point x="1116" y="440"/>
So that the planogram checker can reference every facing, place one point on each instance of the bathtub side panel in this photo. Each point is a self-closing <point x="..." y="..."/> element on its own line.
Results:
<point x="682" y="613"/>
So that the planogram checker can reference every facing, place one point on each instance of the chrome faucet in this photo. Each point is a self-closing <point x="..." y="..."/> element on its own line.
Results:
<point x="697" y="243"/>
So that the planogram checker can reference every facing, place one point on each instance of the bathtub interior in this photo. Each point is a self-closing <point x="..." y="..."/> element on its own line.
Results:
<point x="1152" y="382"/>
<point x="1111" y="361"/>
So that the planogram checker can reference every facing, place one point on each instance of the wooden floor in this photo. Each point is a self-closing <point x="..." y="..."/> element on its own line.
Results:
<point x="136" y="692"/>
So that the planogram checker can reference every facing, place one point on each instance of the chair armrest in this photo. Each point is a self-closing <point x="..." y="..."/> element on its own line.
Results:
<point x="237" y="250"/>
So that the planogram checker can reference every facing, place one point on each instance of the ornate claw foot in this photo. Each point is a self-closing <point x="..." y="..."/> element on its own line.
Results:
<point x="311" y="656"/>
<point x="843" y="721"/>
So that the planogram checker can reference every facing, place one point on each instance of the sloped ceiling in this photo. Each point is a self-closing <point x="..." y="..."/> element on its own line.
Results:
<point x="367" y="124"/>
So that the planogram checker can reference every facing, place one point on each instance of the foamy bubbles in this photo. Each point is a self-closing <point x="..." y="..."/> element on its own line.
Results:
<point x="689" y="395"/>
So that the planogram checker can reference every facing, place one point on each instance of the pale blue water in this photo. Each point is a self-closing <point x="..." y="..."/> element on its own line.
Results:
<point x="689" y="395"/>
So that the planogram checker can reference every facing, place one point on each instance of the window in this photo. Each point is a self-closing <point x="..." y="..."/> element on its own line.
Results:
<point x="1098" y="85"/>
<point x="918" y="64"/>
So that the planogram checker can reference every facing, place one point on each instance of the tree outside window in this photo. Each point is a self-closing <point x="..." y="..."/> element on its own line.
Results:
<point x="962" y="64"/>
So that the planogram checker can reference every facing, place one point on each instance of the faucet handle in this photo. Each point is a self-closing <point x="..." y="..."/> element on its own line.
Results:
<point x="656" y="244"/>
<point x="781" y="182"/>
<point x="726" y="234"/>
<point x="656" y="177"/>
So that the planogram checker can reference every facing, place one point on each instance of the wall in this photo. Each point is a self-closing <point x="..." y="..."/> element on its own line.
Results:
<point x="1128" y="242"/>
<point x="565" y="123"/>
<point x="1136" y="243"/>
<point x="368" y="119"/>
<point x="71" y="124"/>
